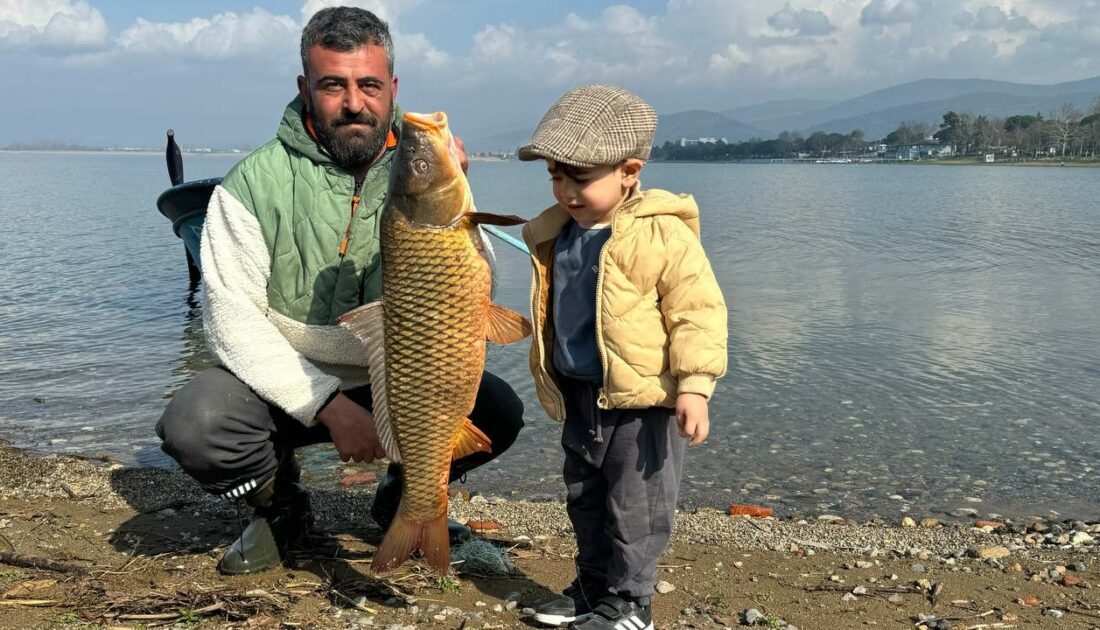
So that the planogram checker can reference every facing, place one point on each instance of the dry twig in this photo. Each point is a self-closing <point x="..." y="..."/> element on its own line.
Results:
<point x="34" y="562"/>
<point x="356" y="605"/>
<point x="29" y="602"/>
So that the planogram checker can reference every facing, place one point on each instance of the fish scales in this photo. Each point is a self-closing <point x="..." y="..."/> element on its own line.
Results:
<point x="435" y="288"/>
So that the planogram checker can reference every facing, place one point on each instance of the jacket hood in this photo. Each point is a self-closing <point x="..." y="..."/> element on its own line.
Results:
<point x="658" y="202"/>
<point x="294" y="135"/>
<point x="639" y="204"/>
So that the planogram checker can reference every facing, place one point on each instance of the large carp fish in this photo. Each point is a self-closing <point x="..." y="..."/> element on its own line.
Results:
<point x="426" y="338"/>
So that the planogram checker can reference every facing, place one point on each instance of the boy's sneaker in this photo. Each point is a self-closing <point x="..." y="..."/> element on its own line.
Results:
<point x="616" y="613"/>
<point x="562" y="611"/>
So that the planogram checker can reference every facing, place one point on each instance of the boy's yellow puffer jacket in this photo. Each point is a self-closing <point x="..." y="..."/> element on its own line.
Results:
<point x="660" y="316"/>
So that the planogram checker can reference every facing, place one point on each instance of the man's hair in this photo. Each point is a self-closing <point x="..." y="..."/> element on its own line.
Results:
<point x="345" y="29"/>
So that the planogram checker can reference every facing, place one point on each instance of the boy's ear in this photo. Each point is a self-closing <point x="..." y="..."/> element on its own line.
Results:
<point x="632" y="168"/>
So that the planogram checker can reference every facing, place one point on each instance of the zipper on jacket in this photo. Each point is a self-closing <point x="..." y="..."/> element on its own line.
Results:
<point x="601" y="400"/>
<point x="543" y="373"/>
<point x="355" y="199"/>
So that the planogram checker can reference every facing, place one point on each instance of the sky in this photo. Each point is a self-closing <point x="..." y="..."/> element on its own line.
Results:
<point x="120" y="72"/>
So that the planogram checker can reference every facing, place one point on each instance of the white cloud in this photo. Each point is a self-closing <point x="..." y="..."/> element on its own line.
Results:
<point x="627" y="21"/>
<point x="224" y="36"/>
<point x="53" y="26"/>
<point x="496" y="43"/>
<point x="387" y="10"/>
<point x="887" y="12"/>
<point x="415" y="48"/>
<point x="805" y="22"/>
<point x="992" y="18"/>
<point x="729" y="60"/>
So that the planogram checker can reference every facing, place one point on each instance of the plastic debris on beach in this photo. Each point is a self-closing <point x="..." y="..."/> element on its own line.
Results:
<point x="480" y="556"/>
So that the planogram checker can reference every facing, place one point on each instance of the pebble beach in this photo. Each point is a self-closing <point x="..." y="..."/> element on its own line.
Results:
<point x="96" y="544"/>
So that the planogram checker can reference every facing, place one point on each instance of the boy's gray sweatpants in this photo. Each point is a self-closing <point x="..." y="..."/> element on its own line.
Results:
<point x="622" y="476"/>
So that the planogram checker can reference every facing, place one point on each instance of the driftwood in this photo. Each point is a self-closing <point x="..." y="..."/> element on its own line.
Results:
<point x="34" y="562"/>
<point x="964" y="618"/>
<point x="870" y="589"/>
<point x="163" y="607"/>
<point x="29" y="602"/>
<point x="1082" y="613"/>
<point x="172" y="616"/>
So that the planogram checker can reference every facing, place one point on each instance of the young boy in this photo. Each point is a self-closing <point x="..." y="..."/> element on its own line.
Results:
<point x="629" y="338"/>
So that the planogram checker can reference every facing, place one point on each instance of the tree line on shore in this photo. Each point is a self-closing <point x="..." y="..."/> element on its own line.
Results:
<point x="1067" y="133"/>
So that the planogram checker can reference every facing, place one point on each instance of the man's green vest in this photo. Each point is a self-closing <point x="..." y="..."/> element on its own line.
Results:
<point x="303" y="202"/>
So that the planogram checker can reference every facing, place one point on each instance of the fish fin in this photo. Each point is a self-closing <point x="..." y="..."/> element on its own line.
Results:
<point x="485" y="218"/>
<point x="406" y="535"/>
<point x="506" y="326"/>
<point x="366" y="323"/>
<point x="470" y="440"/>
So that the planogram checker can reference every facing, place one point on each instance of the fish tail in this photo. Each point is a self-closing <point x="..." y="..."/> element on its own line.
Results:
<point x="406" y="535"/>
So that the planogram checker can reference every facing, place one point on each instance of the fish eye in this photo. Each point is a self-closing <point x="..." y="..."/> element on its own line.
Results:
<point x="420" y="165"/>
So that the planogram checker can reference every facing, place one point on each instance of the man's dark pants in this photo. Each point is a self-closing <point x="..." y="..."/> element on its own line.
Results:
<point x="228" y="439"/>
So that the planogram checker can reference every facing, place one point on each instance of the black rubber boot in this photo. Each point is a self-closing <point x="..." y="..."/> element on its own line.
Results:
<point x="281" y="519"/>
<point x="387" y="497"/>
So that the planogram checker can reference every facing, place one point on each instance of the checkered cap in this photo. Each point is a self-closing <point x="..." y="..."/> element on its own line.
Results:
<point x="596" y="125"/>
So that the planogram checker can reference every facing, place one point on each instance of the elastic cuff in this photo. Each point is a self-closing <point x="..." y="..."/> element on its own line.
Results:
<point x="331" y="397"/>
<point x="701" y="384"/>
<point x="307" y="414"/>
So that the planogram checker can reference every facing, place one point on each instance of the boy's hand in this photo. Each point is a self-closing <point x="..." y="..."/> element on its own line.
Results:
<point x="692" y="417"/>
<point x="463" y="159"/>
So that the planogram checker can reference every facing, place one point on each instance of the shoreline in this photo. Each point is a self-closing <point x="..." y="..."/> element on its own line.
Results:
<point x="1070" y="163"/>
<point x="941" y="162"/>
<point x="126" y="542"/>
<point x="135" y="152"/>
<point x="955" y="506"/>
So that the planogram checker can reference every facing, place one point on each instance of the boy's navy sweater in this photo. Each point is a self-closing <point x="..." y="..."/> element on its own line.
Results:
<point x="576" y="263"/>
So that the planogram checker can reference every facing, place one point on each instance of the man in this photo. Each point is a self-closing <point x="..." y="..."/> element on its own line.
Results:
<point x="290" y="244"/>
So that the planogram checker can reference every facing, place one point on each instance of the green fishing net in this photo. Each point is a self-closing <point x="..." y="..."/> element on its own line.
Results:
<point x="480" y="556"/>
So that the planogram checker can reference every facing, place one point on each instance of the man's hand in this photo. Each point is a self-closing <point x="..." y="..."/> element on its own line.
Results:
<point x="463" y="160"/>
<point x="352" y="430"/>
<point x="692" y="417"/>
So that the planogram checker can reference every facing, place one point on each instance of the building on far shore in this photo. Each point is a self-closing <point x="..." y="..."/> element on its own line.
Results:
<point x="492" y="155"/>
<point x="687" y="142"/>
<point x="912" y="152"/>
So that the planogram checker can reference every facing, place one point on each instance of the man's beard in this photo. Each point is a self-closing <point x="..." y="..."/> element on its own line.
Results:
<point x="353" y="148"/>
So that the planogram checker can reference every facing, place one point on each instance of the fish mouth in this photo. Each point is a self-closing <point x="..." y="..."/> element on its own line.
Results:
<point x="433" y="128"/>
<point x="432" y="122"/>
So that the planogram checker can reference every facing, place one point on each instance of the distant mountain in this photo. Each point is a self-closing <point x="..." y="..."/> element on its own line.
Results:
<point x="879" y="124"/>
<point x="878" y="113"/>
<point x="703" y="124"/>
<point x="761" y="114"/>
<point x="503" y="141"/>
<point x="672" y="127"/>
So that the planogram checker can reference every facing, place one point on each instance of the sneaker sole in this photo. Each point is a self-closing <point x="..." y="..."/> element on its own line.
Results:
<point x="562" y="620"/>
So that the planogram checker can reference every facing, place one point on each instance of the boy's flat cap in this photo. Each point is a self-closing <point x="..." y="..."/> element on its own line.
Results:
<point x="595" y="125"/>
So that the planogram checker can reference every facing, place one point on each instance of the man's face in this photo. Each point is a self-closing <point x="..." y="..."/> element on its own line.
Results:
<point x="350" y="95"/>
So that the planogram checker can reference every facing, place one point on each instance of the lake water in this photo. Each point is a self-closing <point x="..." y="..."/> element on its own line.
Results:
<point x="902" y="338"/>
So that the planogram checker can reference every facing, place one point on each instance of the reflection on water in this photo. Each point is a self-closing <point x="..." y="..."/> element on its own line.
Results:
<point x="193" y="358"/>
<point x="901" y="338"/>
